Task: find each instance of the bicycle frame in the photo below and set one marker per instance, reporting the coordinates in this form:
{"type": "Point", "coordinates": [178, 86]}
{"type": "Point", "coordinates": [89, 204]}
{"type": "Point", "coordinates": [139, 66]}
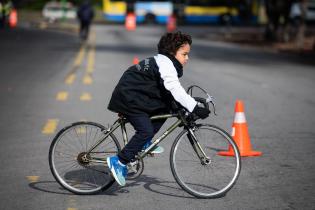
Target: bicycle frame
{"type": "Point", "coordinates": [121, 122]}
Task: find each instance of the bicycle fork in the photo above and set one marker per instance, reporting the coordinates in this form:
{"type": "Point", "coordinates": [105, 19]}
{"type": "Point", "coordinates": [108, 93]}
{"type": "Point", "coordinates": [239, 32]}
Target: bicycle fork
{"type": "Point", "coordinates": [204, 160]}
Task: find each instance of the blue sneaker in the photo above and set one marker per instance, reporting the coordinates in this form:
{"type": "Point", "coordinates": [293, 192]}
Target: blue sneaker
{"type": "Point", "coordinates": [156, 149]}
{"type": "Point", "coordinates": [119, 170]}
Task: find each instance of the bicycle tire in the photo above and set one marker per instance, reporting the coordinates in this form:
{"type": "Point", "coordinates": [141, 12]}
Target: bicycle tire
{"type": "Point", "coordinates": [219, 175]}
{"type": "Point", "coordinates": [82, 178]}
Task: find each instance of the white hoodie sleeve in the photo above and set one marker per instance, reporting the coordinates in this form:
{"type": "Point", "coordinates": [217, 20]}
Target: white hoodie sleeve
{"type": "Point", "coordinates": [171, 82]}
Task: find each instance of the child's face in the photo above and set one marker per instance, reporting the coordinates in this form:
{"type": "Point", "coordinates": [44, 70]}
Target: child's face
{"type": "Point", "coordinates": [182, 54]}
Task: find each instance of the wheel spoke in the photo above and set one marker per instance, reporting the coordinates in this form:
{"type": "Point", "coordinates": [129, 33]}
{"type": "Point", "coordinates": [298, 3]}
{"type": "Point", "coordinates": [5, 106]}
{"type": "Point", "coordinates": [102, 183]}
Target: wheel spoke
{"type": "Point", "coordinates": [205, 179]}
{"type": "Point", "coordinates": [70, 163]}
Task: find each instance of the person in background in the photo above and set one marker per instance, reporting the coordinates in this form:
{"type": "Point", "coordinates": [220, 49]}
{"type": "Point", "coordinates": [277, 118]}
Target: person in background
{"type": "Point", "coordinates": [85, 15]}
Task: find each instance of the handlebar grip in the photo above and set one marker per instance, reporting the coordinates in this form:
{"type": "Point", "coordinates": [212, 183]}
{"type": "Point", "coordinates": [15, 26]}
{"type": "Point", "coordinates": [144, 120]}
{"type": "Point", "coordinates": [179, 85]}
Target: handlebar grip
{"type": "Point", "coordinates": [202, 101]}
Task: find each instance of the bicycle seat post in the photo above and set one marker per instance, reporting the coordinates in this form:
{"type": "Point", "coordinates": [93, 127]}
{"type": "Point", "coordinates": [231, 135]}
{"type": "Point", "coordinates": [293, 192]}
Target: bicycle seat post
{"type": "Point", "coordinates": [122, 122]}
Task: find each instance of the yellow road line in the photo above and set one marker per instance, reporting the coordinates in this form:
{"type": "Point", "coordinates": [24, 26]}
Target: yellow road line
{"type": "Point", "coordinates": [91, 60]}
{"type": "Point", "coordinates": [80, 56]}
{"type": "Point", "coordinates": [32, 179]}
{"type": "Point", "coordinates": [62, 96]}
{"type": "Point", "coordinates": [72, 203]}
{"type": "Point", "coordinates": [93, 37]}
{"type": "Point", "coordinates": [50, 126]}
{"type": "Point", "coordinates": [70, 79]}
{"type": "Point", "coordinates": [87, 80]}
{"type": "Point", "coordinates": [76, 64]}
{"type": "Point", "coordinates": [85, 97]}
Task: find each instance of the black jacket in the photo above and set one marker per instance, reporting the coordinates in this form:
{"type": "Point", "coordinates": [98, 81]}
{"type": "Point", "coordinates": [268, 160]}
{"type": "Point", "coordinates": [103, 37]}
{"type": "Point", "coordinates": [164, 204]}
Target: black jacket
{"type": "Point", "coordinates": [141, 89]}
{"type": "Point", "coordinates": [85, 13]}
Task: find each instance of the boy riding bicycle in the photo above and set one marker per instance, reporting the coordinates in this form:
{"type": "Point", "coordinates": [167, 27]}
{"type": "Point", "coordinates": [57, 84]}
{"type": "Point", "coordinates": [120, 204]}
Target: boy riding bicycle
{"type": "Point", "coordinates": [147, 89]}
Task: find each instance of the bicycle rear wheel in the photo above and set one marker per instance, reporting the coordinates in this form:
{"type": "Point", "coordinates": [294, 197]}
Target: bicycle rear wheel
{"type": "Point", "coordinates": [75, 169]}
{"type": "Point", "coordinates": [208, 178]}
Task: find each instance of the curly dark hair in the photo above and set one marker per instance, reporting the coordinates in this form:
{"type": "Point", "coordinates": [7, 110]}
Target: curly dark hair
{"type": "Point", "coordinates": [171, 42]}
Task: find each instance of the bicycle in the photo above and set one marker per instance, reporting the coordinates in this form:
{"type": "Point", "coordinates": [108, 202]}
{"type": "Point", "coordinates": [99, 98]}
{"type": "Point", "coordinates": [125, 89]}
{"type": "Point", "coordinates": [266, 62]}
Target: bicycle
{"type": "Point", "coordinates": [77, 155]}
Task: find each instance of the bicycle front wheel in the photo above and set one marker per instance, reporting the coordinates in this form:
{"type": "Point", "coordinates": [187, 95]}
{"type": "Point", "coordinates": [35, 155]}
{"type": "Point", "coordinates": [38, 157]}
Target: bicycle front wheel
{"type": "Point", "coordinates": [73, 167]}
{"type": "Point", "coordinates": [205, 174]}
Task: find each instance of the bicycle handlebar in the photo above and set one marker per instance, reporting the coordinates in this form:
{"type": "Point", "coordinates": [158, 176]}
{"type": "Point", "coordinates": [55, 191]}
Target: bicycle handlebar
{"type": "Point", "coordinates": [209, 99]}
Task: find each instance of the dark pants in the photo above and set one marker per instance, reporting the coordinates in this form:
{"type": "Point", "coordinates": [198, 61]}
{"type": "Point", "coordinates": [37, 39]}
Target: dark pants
{"type": "Point", "coordinates": [84, 29]}
{"type": "Point", "coordinates": [145, 130]}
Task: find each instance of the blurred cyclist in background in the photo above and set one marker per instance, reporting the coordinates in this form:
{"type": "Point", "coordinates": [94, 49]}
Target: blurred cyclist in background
{"type": "Point", "coordinates": [85, 15]}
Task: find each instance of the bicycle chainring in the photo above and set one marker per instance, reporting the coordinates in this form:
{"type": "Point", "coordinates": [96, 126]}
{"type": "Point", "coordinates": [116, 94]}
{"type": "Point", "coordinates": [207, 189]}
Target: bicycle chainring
{"type": "Point", "coordinates": [135, 169]}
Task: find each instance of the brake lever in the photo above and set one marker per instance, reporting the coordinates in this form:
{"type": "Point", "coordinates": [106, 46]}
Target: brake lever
{"type": "Point", "coordinates": [213, 104]}
{"type": "Point", "coordinates": [210, 100]}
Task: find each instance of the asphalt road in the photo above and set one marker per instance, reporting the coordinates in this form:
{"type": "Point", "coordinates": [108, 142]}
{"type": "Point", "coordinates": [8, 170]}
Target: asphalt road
{"type": "Point", "coordinates": [48, 80]}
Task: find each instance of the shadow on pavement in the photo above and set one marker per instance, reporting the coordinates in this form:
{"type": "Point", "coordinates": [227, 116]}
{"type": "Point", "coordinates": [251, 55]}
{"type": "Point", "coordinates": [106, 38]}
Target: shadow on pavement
{"type": "Point", "coordinates": [49, 187]}
{"type": "Point", "coordinates": [153, 184]}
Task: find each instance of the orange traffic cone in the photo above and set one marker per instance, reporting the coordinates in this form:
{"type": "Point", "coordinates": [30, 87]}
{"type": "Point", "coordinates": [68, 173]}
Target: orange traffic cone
{"type": "Point", "coordinates": [13, 19]}
{"type": "Point", "coordinates": [135, 60]}
{"type": "Point", "coordinates": [130, 23]}
{"type": "Point", "coordinates": [240, 134]}
{"type": "Point", "coordinates": [171, 23]}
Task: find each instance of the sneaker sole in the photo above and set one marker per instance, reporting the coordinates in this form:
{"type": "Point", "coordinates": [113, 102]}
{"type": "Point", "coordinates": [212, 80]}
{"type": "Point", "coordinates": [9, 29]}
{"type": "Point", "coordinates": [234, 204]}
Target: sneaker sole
{"type": "Point", "coordinates": [155, 152]}
{"type": "Point", "coordinates": [113, 172]}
